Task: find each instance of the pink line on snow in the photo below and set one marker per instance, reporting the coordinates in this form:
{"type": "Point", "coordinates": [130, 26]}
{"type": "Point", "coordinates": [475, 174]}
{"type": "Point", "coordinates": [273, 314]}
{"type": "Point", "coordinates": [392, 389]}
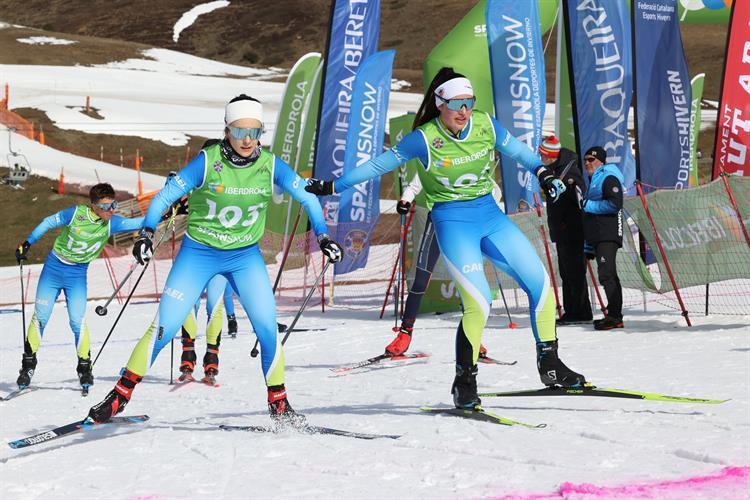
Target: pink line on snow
{"type": "Point", "coordinates": [729, 482]}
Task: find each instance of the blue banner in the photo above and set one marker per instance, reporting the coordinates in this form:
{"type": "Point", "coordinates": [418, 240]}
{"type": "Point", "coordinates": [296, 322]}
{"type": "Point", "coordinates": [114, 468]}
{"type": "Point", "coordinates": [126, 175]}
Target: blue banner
{"type": "Point", "coordinates": [600, 56]}
{"type": "Point", "coordinates": [664, 96]}
{"type": "Point", "coordinates": [359, 206]}
{"type": "Point", "coordinates": [518, 87]}
{"type": "Point", "coordinates": [355, 27]}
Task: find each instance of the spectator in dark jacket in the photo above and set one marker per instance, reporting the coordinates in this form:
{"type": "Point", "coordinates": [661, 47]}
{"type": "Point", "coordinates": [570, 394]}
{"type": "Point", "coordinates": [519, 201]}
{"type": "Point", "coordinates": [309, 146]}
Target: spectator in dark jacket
{"type": "Point", "coordinates": [602, 227]}
{"type": "Point", "coordinates": [566, 231]}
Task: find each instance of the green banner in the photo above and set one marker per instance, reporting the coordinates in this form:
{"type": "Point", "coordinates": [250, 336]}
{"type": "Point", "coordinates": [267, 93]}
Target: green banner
{"type": "Point", "coordinates": [695, 125]}
{"type": "Point", "coordinates": [465, 49]}
{"type": "Point", "coordinates": [699, 232]}
{"type": "Point", "coordinates": [564, 129]}
{"type": "Point", "coordinates": [286, 138]}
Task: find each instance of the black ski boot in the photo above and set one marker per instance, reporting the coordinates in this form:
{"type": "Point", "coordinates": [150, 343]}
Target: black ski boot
{"type": "Point", "coordinates": [28, 365]}
{"type": "Point", "coordinates": [552, 371]}
{"type": "Point", "coordinates": [187, 362]}
{"type": "Point", "coordinates": [282, 413]}
{"type": "Point", "coordinates": [232, 325]}
{"type": "Point", "coordinates": [211, 363]}
{"type": "Point", "coordinates": [464, 388]}
{"type": "Point", "coordinates": [85, 373]}
{"type": "Point", "coordinates": [117, 398]}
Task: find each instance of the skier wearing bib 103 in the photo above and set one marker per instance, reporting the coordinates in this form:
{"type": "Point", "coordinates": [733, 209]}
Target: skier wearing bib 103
{"type": "Point", "coordinates": [229, 186]}
{"type": "Point", "coordinates": [85, 232]}
{"type": "Point", "coordinates": [455, 147]}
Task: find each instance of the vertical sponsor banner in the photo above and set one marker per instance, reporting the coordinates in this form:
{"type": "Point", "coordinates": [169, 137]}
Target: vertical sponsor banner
{"type": "Point", "coordinates": [662, 89]}
{"type": "Point", "coordinates": [359, 207]}
{"type": "Point", "coordinates": [733, 118]}
{"type": "Point", "coordinates": [355, 27]}
{"type": "Point", "coordinates": [564, 129]}
{"type": "Point", "coordinates": [518, 86]}
{"type": "Point", "coordinates": [288, 131]}
{"type": "Point", "coordinates": [696, 88]}
{"type": "Point", "coordinates": [599, 48]}
{"type": "Point", "coordinates": [306, 148]}
{"type": "Point", "coordinates": [464, 49]}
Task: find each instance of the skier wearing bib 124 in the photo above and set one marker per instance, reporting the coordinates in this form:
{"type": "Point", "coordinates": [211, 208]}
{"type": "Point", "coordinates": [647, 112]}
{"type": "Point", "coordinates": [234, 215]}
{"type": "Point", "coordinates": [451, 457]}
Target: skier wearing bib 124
{"type": "Point", "coordinates": [85, 232]}
{"type": "Point", "coordinates": [229, 186]}
{"type": "Point", "coordinates": [455, 147]}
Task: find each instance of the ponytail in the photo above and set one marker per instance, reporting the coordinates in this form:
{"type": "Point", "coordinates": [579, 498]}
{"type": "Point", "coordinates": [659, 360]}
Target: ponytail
{"type": "Point", "coordinates": [428, 109]}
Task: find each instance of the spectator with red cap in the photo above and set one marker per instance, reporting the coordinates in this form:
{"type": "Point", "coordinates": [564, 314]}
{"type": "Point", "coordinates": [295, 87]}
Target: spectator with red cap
{"type": "Point", "coordinates": [564, 219]}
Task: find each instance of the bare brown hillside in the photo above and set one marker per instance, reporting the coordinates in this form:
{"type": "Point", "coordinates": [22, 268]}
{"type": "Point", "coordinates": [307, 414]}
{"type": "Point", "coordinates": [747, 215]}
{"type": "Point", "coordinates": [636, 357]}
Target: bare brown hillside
{"type": "Point", "coordinates": [255, 32]}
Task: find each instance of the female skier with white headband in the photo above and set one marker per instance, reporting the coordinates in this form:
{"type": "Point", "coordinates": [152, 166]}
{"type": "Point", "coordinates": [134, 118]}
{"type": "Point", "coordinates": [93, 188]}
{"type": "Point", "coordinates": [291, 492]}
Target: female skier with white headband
{"type": "Point", "coordinates": [456, 148]}
{"type": "Point", "coordinates": [229, 185]}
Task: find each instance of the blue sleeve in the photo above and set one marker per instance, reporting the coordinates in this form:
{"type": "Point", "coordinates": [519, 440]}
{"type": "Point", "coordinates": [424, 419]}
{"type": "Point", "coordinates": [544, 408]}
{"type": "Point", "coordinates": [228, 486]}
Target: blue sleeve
{"type": "Point", "coordinates": [410, 147]}
{"type": "Point", "coordinates": [61, 218]}
{"type": "Point", "coordinates": [120, 224]}
{"type": "Point", "coordinates": [510, 146]}
{"type": "Point", "coordinates": [178, 186]}
{"type": "Point", "coordinates": [289, 181]}
{"type": "Point", "coordinates": [612, 198]}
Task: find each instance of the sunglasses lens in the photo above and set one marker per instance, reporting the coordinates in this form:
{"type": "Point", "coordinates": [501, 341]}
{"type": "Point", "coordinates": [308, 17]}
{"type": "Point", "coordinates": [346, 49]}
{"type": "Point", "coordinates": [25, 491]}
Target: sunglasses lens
{"type": "Point", "coordinates": [457, 104]}
{"type": "Point", "coordinates": [241, 133]}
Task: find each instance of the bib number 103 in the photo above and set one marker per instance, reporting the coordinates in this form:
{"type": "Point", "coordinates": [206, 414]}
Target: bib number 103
{"type": "Point", "coordinates": [230, 215]}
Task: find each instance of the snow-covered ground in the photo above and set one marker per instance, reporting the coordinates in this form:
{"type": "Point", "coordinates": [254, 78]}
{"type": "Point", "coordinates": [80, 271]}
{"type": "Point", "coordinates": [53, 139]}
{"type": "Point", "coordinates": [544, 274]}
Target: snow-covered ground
{"type": "Point", "coordinates": [591, 447]}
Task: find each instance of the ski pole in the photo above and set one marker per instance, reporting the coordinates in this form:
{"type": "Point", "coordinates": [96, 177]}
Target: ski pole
{"type": "Point", "coordinates": [135, 286]}
{"type": "Point", "coordinates": [121, 311]}
{"type": "Point", "coordinates": [400, 266]}
{"type": "Point", "coordinates": [290, 328]}
{"type": "Point", "coordinates": [102, 310]}
{"type": "Point", "coordinates": [23, 305]}
{"type": "Point", "coordinates": [171, 361]}
{"type": "Point", "coordinates": [254, 351]}
{"type": "Point", "coordinates": [511, 324]}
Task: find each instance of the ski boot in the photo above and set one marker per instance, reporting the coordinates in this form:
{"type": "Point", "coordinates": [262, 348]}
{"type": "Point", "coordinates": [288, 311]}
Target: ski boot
{"type": "Point", "coordinates": [464, 388]}
{"type": "Point", "coordinates": [232, 325]}
{"type": "Point", "coordinates": [401, 343]}
{"type": "Point", "coordinates": [608, 323]}
{"type": "Point", "coordinates": [85, 373]}
{"type": "Point", "coordinates": [117, 398]}
{"type": "Point", "coordinates": [552, 371]}
{"type": "Point", "coordinates": [282, 413]}
{"type": "Point", "coordinates": [211, 364]}
{"type": "Point", "coordinates": [187, 361]}
{"type": "Point", "coordinates": [28, 365]}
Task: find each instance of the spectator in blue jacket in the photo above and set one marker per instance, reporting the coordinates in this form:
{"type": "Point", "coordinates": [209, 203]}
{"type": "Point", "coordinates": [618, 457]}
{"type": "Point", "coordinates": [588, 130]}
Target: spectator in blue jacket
{"type": "Point", "coordinates": [602, 229]}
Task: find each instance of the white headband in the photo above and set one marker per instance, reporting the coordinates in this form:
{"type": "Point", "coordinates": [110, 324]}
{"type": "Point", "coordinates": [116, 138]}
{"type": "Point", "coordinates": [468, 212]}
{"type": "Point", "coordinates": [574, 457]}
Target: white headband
{"type": "Point", "coordinates": [452, 88]}
{"type": "Point", "coordinates": [245, 108]}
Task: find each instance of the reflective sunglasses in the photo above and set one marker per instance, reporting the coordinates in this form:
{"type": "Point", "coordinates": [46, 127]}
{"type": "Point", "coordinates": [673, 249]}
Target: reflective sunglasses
{"type": "Point", "coordinates": [589, 159]}
{"type": "Point", "coordinates": [457, 104]}
{"type": "Point", "coordinates": [107, 207]}
{"type": "Point", "coordinates": [240, 133]}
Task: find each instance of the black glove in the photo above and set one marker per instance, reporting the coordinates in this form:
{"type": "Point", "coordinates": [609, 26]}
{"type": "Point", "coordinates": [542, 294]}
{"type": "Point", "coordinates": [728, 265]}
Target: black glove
{"type": "Point", "coordinates": [330, 248]}
{"type": "Point", "coordinates": [22, 250]}
{"type": "Point", "coordinates": [588, 251]}
{"type": "Point", "coordinates": [143, 247]}
{"type": "Point", "coordinates": [403, 207]}
{"type": "Point", "coordinates": [179, 207]}
{"type": "Point", "coordinates": [318, 187]}
{"type": "Point", "coordinates": [551, 185]}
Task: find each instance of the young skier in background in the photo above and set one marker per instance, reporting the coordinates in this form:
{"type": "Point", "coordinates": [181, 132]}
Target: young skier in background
{"type": "Point", "coordinates": [86, 229]}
